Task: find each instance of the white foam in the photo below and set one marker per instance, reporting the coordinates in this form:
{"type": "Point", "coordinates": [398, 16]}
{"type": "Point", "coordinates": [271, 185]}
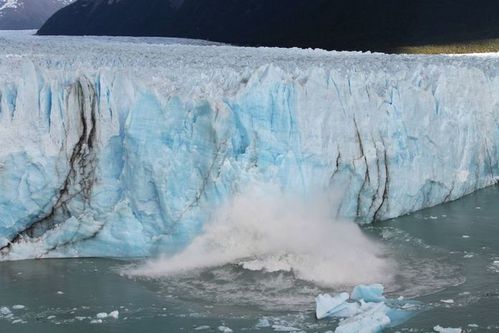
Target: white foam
{"type": "Point", "coordinates": [265, 230]}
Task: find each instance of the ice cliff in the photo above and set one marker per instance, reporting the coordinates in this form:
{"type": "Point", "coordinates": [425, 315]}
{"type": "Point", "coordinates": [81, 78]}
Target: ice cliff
{"type": "Point", "coordinates": [123, 147]}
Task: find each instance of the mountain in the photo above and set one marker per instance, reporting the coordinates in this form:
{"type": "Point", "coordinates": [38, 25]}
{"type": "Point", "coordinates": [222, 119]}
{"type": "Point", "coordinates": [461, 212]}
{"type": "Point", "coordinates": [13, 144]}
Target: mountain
{"type": "Point", "coordinates": [329, 24]}
{"type": "Point", "coordinates": [27, 14]}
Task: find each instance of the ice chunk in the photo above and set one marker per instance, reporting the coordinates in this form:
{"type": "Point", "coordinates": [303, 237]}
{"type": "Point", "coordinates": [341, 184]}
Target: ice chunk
{"type": "Point", "coordinates": [263, 323]}
{"type": "Point", "coordinates": [327, 305]}
{"type": "Point", "coordinates": [18, 307]}
{"type": "Point", "coordinates": [5, 310]}
{"type": "Point", "coordinates": [372, 320]}
{"type": "Point", "coordinates": [447, 301]}
{"type": "Point", "coordinates": [441, 329]}
{"type": "Point", "coordinates": [225, 329]}
{"type": "Point", "coordinates": [361, 316]}
{"type": "Point", "coordinates": [114, 314]}
{"type": "Point", "coordinates": [101, 315]}
{"type": "Point", "coordinates": [399, 315]}
{"type": "Point", "coordinates": [369, 293]}
{"type": "Point", "coordinates": [282, 328]}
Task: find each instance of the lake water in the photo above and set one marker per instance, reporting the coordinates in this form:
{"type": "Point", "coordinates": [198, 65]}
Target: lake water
{"type": "Point", "coordinates": [447, 258]}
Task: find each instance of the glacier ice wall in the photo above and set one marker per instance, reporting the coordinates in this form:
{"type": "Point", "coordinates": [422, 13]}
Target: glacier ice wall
{"type": "Point", "coordinates": [113, 147]}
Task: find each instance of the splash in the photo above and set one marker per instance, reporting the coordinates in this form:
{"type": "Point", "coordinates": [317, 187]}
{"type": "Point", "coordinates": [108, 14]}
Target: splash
{"type": "Point", "coordinates": [266, 231]}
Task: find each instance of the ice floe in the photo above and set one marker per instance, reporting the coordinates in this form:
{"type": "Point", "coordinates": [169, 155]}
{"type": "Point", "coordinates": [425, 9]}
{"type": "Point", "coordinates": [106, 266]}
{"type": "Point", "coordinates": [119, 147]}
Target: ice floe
{"type": "Point", "coordinates": [366, 310]}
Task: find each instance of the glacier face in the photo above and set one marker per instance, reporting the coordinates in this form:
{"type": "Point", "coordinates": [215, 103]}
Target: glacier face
{"type": "Point", "coordinates": [124, 147]}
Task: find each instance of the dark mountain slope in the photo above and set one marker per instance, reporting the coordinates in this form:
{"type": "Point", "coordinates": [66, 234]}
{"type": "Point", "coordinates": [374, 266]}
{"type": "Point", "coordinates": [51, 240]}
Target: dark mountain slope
{"type": "Point", "coordinates": [330, 24]}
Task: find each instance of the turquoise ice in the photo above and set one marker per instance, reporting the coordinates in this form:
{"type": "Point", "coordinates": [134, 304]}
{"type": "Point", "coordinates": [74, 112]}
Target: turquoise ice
{"type": "Point", "coordinates": [365, 310]}
{"type": "Point", "coordinates": [125, 148]}
{"type": "Point", "coordinates": [368, 293]}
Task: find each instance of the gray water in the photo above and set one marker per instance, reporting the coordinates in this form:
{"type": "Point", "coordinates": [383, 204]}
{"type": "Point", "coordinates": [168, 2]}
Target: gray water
{"type": "Point", "coordinates": [448, 253]}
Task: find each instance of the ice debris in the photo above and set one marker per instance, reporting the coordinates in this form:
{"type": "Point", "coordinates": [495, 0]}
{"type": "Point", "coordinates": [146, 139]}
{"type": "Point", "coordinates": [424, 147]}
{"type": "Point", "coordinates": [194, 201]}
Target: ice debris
{"type": "Point", "coordinates": [5, 311]}
{"type": "Point", "coordinates": [368, 293]}
{"type": "Point", "coordinates": [366, 310]}
{"type": "Point", "coordinates": [202, 328]}
{"type": "Point", "coordinates": [441, 329]}
{"type": "Point", "coordinates": [372, 318]}
{"type": "Point", "coordinates": [263, 323]}
{"type": "Point", "coordinates": [101, 315]}
{"type": "Point", "coordinates": [447, 301]}
{"type": "Point", "coordinates": [282, 328]}
{"type": "Point", "coordinates": [330, 306]}
{"type": "Point", "coordinates": [114, 314]}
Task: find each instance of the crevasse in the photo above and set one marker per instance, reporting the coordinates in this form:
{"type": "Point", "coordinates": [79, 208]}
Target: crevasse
{"type": "Point", "coordinates": [111, 147]}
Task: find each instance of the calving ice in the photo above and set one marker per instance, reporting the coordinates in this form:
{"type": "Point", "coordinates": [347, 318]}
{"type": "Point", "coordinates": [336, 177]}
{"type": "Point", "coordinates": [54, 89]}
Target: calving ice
{"type": "Point", "coordinates": [113, 147]}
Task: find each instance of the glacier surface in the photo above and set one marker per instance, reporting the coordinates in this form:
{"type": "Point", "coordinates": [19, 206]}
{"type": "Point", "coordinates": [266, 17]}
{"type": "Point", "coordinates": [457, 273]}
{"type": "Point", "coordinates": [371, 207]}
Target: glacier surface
{"type": "Point", "coordinates": [125, 147]}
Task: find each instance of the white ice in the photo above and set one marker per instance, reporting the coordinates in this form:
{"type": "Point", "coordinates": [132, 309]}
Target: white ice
{"type": "Point", "coordinates": [370, 315]}
{"type": "Point", "coordinates": [368, 293]}
{"type": "Point", "coordinates": [125, 147]}
{"type": "Point", "coordinates": [441, 329]}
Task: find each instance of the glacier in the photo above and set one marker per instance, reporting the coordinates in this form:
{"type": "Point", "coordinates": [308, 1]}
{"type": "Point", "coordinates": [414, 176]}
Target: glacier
{"type": "Point", "coordinates": [123, 147]}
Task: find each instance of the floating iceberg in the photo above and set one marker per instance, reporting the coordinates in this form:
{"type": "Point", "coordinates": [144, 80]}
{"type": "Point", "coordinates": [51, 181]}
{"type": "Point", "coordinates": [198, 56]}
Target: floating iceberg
{"type": "Point", "coordinates": [368, 293]}
{"type": "Point", "coordinates": [371, 320]}
{"type": "Point", "coordinates": [331, 306]}
{"type": "Point", "coordinates": [364, 315]}
{"type": "Point", "coordinates": [114, 147]}
{"type": "Point", "coordinates": [441, 329]}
